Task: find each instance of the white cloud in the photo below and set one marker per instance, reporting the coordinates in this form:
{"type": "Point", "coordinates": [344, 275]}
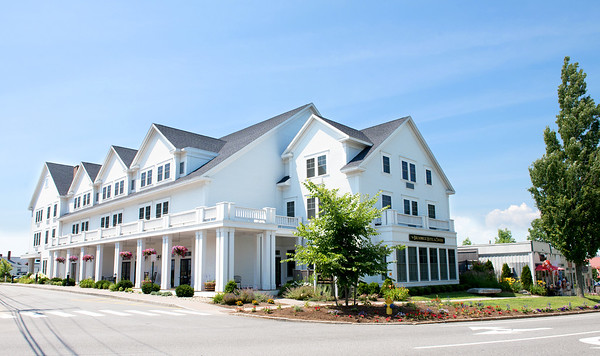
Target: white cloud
{"type": "Point", "coordinates": [516, 218]}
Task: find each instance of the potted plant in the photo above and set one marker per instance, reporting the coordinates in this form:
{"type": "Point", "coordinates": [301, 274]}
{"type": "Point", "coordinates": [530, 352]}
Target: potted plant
{"type": "Point", "coordinates": [126, 255]}
{"type": "Point", "coordinates": [87, 258]}
{"type": "Point", "coordinates": [148, 252]}
{"type": "Point", "coordinates": [209, 286]}
{"type": "Point", "coordinates": [60, 259]}
{"type": "Point", "coordinates": [179, 251]}
{"type": "Point", "coordinates": [73, 258]}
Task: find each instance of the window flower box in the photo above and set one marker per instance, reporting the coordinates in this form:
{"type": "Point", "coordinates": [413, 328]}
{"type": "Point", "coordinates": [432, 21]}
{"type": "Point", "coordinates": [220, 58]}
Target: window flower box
{"type": "Point", "coordinates": [60, 259]}
{"type": "Point", "coordinates": [87, 258]}
{"type": "Point", "coordinates": [179, 250]}
{"type": "Point", "coordinates": [126, 255]}
{"type": "Point", "coordinates": [73, 258]}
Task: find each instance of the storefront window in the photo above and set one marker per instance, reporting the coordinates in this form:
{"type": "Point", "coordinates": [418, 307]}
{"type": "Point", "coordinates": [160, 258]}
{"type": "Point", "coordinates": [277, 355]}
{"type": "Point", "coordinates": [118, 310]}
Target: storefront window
{"type": "Point", "coordinates": [401, 258]}
{"type": "Point", "coordinates": [413, 272]}
{"type": "Point", "coordinates": [433, 262]}
{"type": "Point", "coordinates": [423, 263]}
{"type": "Point", "coordinates": [452, 263]}
{"type": "Point", "coordinates": [443, 264]}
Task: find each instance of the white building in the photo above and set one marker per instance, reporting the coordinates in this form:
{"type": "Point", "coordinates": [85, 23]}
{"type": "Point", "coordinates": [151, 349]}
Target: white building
{"type": "Point", "coordinates": [235, 202]}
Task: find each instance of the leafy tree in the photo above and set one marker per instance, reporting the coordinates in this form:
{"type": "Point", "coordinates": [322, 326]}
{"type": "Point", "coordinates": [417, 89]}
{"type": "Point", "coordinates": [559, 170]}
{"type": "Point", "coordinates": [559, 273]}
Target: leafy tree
{"type": "Point", "coordinates": [504, 237]}
{"type": "Point", "coordinates": [338, 240]}
{"type": "Point", "coordinates": [467, 242]}
{"type": "Point", "coordinates": [5, 269]}
{"type": "Point", "coordinates": [566, 180]}
{"type": "Point", "coordinates": [536, 231]}
{"type": "Point", "coordinates": [506, 273]}
{"type": "Point", "coordinates": [526, 279]}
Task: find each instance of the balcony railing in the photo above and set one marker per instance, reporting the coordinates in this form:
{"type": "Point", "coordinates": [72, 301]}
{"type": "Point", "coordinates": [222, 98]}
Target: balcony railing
{"type": "Point", "coordinates": [392, 217]}
{"type": "Point", "coordinates": [288, 222]}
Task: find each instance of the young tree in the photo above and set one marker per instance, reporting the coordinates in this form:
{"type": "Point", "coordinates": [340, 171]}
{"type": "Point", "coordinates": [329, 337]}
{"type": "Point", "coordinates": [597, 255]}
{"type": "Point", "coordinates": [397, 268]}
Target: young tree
{"type": "Point", "coordinates": [526, 279]}
{"type": "Point", "coordinates": [467, 242]}
{"type": "Point", "coordinates": [506, 273]}
{"type": "Point", "coordinates": [5, 269]}
{"type": "Point", "coordinates": [504, 237]}
{"type": "Point", "coordinates": [566, 180]}
{"type": "Point", "coordinates": [338, 240]}
{"type": "Point", "coordinates": [536, 231]}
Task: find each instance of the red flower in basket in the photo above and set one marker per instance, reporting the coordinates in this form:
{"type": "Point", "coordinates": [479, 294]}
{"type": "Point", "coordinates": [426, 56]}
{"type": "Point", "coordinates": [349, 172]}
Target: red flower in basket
{"type": "Point", "coordinates": [126, 255]}
{"type": "Point", "coordinates": [87, 258]}
{"type": "Point", "coordinates": [179, 250]}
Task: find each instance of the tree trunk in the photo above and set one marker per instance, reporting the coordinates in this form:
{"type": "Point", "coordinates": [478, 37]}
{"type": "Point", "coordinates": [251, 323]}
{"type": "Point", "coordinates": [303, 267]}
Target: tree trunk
{"type": "Point", "coordinates": [579, 278]}
{"type": "Point", "coordinates": [354, 286]}
{"type": "Point", "coordinates": [346, 294]}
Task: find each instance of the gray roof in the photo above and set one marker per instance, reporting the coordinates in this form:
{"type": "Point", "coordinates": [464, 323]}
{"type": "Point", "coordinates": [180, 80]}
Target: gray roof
{"type": "Point", "coordinates": [126, 154]}
{"type": "Point", "coordinates": [359, 135]}
{"type": "Point", "coordinates": [376, 134]}
{"type": "Point", "coordinates": [62, 175]}
{"type": "Point", "coordinates": [92, 169]}
{"type": "Point", "coordinates": [182, 139]}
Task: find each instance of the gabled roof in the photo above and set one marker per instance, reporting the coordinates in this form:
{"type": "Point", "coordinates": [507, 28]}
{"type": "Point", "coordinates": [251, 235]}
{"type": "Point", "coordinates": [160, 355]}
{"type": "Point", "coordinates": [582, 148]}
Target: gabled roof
{"type": "Point", "coordinates": [182, 139]}
{"type": "Point", "coordinates": [62, 175]}
{"type": "Point", "coordinates": [236, 141]}
{"type": "Point", "coordinates": [92, 169]}
{"type": "Point", "coordinates": [376, 135]}
{"type": "Point", "coordinates": [358, 135]}
{"type": "Point", "coordinates": [125, 154]}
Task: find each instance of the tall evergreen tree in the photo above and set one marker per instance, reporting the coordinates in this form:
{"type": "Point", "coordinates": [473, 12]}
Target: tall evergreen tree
{"type": "Point", "coordinates": [566, 180]}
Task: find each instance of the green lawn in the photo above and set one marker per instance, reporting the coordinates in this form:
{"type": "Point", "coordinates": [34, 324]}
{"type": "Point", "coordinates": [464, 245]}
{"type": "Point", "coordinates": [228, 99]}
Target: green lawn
{"type": "Point", "coordinates": [516, 301]}
{"type": "Point", "coordinates": [458, 295]}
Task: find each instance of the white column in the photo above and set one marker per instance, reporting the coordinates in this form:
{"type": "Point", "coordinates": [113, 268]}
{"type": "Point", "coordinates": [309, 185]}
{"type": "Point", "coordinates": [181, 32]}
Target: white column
{"type": "Point", "coordinates": [231, 254]}
{"type": "Point", "coordinates": [198, 260]}
{"type": "Point", "coordinates": [117, 262]}
{"type": "Point", "coordinates": [177, 273]}
{"type": "Point", "coordinates": [258, 262]}
{"type": "Point", "coordinates": [139, 265]}
{"type": "Point", "coordinates": [268, 260]}
{"type": "Point", "coordinates": [273, 266]}
{"type": "Point", "coordinates": [51, 265]}
{"type": "Point", "coordinates": [165, 271]}
{"type": "Point", "coordinates": [98, 261]}
{"type": "Point", "coordinates": [68, 263]}
{"type": "Point", "coordinates": [81, 265]}
{"type": "Point", "coordinates": [221, 263]}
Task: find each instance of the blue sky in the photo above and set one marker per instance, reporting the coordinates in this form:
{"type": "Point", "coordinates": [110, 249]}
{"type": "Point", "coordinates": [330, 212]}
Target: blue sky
{"type": "Point", "coordinates": [478, 78]}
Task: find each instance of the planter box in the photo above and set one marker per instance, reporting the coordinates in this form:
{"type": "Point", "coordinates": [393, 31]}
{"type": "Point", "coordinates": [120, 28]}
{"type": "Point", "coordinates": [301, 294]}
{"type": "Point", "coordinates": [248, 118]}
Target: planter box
{"type": "Point", "coordinates": [209, 287]}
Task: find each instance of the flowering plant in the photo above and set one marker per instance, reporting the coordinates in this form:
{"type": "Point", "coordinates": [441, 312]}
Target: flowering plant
{"type": "Point", "coordinates": [126, 255]}
{"type": "Point", "coordinates": [73, 258]}
{"type": "Point", "coordinates": [179, 250]}
{"type": "Point", "coordinates": [87, 258]}
{"type": "Point", "coordinates": [60, 259]}
{"type": "Point", "coordinates": [149, 252]}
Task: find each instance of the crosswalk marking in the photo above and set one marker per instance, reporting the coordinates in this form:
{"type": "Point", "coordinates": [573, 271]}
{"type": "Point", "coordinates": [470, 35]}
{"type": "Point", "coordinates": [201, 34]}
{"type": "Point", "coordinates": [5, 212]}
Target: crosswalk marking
{"type": "Point", "coordinates": [140, 312]}
{"type": "Point", "coordinates": [193, 312]}
{"type": "Point", "coordinates": [7, 316]}
{"type": "Point", "coordinates": [59, 313]}
{"type": "Point", "coordinates": [85, 312]}
{"type": "Point", "coordinates": [166, 312]}
{"type": "Point", "coordinates": [114, 312]}
{"type": "Point", "coordinates": [34, 314]}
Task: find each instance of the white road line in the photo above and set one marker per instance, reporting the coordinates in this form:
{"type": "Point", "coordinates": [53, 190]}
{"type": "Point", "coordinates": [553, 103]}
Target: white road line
{"type": "Point", "coordinates": [140, 312]}
{"type": "Point", "coordinates": [191, 312]}
{"type": "Point", "coordinates": [7, 316]}
{"type": "Point", "coordinates": [166, 312]}
{"type": "Point", "coordinates": [85, 312]}
{"type": "Point", "coordinates": [34, 315]}
{"type": "Point", "coordinates": [504, 341]}
{"type": "Point", "coordinates": [114, 312]}
{"type": "Point", "coordinates": [59, 313]}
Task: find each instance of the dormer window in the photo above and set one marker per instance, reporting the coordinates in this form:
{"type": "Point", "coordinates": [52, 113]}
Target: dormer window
{"type": "Point", "coordinates": [119, 187]}
{"type": "Point", "coordinates": [146, 178]}
{"type": "Point", "coordinates": [143, 180]}
{"type": "Point", "coordinates": [163, 172]}
{"type": "Point", "coordinates": [159, 174]}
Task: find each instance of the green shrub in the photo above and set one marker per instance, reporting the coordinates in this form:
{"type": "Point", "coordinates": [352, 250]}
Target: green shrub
{"type": "Point", "coordinates": [87, 283]}
{"type": "Point", "coordinates": [426, 290]}
{"type": "Point", "coordinates": [231, 287]}
{"type": "Point", "coordinates": [286, 286]}
{"type": "Point", "coordinates": [374, 288]}
{"type": "Point", "coordinates": [124, 284]}
{"type": "Point", "coordinates": [230, 298]}
{"type": "Point", "coordinates": [184, 290]}
{"type": "Point", "coordinates": [526, 279]}
{"type": "Point", "coordinates": [68, 282]}
{"type": "Point", "coordinates": [479, 279]}
{"type": "Point", "coordinates": [102, 284]}
{"type": "Point", "coordinates": [26, 280]}
{"type": "Point", "coordinates": [42, 280]}
{"type": "Point", "coordinates": [218, 298]}
{"type": "Point", "coordinates": [113, 287]}
{"type": "Point", "coordinates": [506, 273]}
{"type": "Point", "coordinates": [538, 290]}
{"type": "Point", "coordinates": [363, 288]}
{"type": "Point", "coordinates": [397, 294]}
{"type": "Point", "coordinates": [387, 284]}
{"type": "Point", "coordinates": [56, 279]}
{"type": "Point", "coordinates": [149, 287]}
{"type": "Point", "coordinates": [246, 295]}
{"type": "Point", "coordinates": [300, 293]}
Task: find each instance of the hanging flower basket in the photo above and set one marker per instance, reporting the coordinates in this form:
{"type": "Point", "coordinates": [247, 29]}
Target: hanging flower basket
{"type": "Point", "coordinates": [179, 250]}
{"type": "Point", "coordinates": [73, 258]}
{"type": "Point", "coordinates": [87, 258]}
{"type": "Point", "coordinates": [149, 252]}
{"type": "Point", "coordinates": [60, 259]}
{"type": "Point", "coordinates": [126, 255]}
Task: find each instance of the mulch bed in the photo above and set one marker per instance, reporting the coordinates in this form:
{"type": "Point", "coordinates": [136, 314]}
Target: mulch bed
{"type": "Point", "coordinates": [409, 313]}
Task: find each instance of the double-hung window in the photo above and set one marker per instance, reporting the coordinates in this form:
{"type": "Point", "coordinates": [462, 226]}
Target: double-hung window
{"type": "Point", "coordinates": [386, 164]}
{"type": "Point", "coordinates": [149, 178]}
{"type": "Point", "coordinates": [105, 222]}
{"type": "Point", "coordinates": [428, 176]}
{"type": "Point", "coordinates": [311, 208]}
{"type": "Point", "coordinates": [409, 171]}
{"type": "Point", "coordinates": [411, 207]}
{"type": "Point", "coordinates": [159, 174]}
{"type": "Point", "coordinates": [143, 180]}
{"type": "Point", "coordinates": [316, 170]}
{"type": "Point", "coordinates": [181, 168]}
{"type": "Point", "coordinates": [290, 209]}
{"type": "Point", "coordinates": [48, 214]}
{"type": "Point", "coordinates": [431, 211]}
{"type": "Point", "coordinates": [117, 219]}
{"type": "Point", "coordinates": [55, 210]}
{"type": "Point", "coordinates": [144, 212]}
{"type": "Point", "coordinates": [162, 209]}
{"type": "Point", "coordinates": [103, 193]}
{"type": "Point", "coordinates": [322, 165]}
{"type": "Point", "coordinates": [167, 170]}
{"type": "Point", "coordinates": [310, 167]}
{"type": "Point", "coordinates": [386, 201]}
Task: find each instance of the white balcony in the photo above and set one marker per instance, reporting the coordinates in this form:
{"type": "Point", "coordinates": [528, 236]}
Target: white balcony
{"type": "Point", "coordinates": [392, 217]}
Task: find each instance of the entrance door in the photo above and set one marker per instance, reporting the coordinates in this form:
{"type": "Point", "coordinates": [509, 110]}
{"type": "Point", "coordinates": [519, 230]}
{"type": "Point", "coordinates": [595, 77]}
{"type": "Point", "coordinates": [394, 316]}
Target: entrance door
{"type": "Point", "coordinates": [126, 270]}
{"type": "Point", "coordinates": [185, 271]}
{"type": "Point", "coordinates": [73, 270]}
{"type": "Point", "coordinates": [278, 271]}
{"type": "Point", "coordinates": [172, 273]}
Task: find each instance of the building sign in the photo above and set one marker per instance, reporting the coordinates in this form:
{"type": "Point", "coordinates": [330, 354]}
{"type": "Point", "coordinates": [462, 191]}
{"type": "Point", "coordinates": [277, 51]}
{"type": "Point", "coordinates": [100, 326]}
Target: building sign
{"type": "Point", "coordinates": [421, 238]}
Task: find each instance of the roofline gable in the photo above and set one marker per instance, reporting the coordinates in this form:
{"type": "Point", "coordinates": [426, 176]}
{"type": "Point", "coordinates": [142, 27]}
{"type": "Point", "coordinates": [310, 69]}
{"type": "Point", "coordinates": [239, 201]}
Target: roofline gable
{"type": "Point", "coordinates": [317, 118]}
{"type": "Point", "coordinates": [145, 143]}
{"type": "Point", "coordinates": [76, 177]}
{"type": "Point", "coordinates": [111, 151]}
{"type": "Point", "coordinates": [38, 187]}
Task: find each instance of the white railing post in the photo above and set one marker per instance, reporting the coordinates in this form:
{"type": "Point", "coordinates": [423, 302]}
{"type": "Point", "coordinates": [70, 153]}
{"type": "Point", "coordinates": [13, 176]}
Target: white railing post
{"type": "Point", "coordinates": [119, 229]}
{"type": "Point", "coordinates": [140, 226]}
{"type": "Point", "coordinates": [221, 213]}
{"type": "Point", "coordinates": [270, 215]}
{"type": "Point", "coordinates": [425, 222]}
{"type": "Point", "coordinates": [167, 221]}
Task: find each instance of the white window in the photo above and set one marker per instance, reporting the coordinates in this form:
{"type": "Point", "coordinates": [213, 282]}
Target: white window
{"type": "Point", "coordinates": [386, 201]}
{"type": "Point", "coordinates": [144, 212]}
{"type": "Point", "coordinates": [181, 167]}
{"type": "Point", "coordinates": [162, 208]}
{"type": "Point", "coordinates": [411, 207]}
{"type": "Point", "coordinates": [316, 166]}
{"type": "Point", "coordinates": [386, 164]}
{"type": "Point", "coordinates": [409, 171]}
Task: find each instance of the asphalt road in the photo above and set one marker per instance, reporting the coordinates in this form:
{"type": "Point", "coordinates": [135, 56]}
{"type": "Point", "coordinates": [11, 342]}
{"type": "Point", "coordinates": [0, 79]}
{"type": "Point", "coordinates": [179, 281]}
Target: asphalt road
{"type": "Point", "coordinates": [47, 322]}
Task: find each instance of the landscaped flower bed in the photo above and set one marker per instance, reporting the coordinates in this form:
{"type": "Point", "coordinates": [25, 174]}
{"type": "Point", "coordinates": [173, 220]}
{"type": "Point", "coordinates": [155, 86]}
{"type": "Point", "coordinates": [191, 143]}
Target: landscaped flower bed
{"type": "Point", "coordinates": [434, 311]}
